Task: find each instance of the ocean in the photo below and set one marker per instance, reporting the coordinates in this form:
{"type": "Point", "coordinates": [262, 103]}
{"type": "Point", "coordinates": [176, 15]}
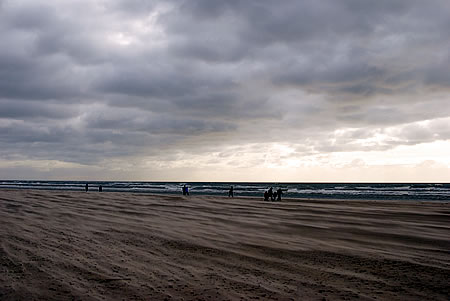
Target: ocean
{"type": "Point", "coordinates": [384, 191]}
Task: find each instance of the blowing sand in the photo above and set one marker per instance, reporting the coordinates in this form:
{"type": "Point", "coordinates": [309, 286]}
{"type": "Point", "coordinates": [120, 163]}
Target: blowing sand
{"type": "Point", "coordinates": [93, 246]}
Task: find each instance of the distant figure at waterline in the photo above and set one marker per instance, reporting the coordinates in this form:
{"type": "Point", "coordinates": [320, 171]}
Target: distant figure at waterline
{"type": "Point", "coordinates": [86, 188]}
{"type": "Point", "coordinates": [230, 192]}
{"type": "Point", "coordinates": [185, 190]}
{"type": "Point", "coordinates": [266, 196]}
{"type": "Point", "coordinates": [270, 193]}
{"type": "Point", "coordinates": [279, 193]}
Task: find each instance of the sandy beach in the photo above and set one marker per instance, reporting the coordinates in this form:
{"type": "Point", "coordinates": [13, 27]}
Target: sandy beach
{"type": "Point", "coordinates": [62, 245]}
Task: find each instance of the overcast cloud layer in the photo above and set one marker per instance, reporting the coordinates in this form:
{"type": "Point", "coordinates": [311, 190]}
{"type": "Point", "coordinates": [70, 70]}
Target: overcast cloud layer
{"type": "Point", "coordinates": [225, 90]}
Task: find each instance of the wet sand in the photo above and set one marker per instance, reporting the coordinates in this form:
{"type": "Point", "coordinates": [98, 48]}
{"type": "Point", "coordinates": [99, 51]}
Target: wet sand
{"type": "Point", "coordinates": [62, 245]}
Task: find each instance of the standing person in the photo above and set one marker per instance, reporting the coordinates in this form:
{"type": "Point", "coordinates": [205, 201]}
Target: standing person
{"type": "Point", "coordinates": [230, 192]}
{"type": "Point", "coordinates": [266, 196]}
{"type": "Point", "coordinates": [86, 187]}
{"type": "Point", "coordinates": [270, 193]}
{"type": "Point", "coordinates": [279, 193]}
{"type": "Point", "coordinates": [185, 190]}
{"type": "Point", "coordinates": [100, 188]}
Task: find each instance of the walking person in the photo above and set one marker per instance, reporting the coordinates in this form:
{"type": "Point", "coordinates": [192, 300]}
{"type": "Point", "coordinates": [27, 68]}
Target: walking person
{"type": "Point", "coordinates": [230, 192]}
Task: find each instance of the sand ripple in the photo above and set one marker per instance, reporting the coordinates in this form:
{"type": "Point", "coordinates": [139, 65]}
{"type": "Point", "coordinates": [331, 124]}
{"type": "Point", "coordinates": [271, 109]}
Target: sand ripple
{"type": "Point", "coordinates": [114, 246]}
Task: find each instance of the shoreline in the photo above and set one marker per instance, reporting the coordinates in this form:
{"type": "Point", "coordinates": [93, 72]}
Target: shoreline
{"type": "Point", "coordinates": [284, 199]}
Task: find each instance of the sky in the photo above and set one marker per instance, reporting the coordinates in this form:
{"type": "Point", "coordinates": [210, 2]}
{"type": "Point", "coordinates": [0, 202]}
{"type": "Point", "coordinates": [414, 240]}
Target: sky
{"type": "Point", "coordinates": [231, 90]}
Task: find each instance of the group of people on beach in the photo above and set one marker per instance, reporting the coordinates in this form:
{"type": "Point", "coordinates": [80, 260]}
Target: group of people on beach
{"type": "Point", "coordinates": [270, 195]}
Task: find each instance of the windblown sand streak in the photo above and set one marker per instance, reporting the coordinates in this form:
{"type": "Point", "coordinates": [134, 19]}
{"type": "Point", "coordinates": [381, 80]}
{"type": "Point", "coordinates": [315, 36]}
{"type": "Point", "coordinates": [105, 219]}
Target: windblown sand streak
{"type": "Point", "coordinates": [93, 246]}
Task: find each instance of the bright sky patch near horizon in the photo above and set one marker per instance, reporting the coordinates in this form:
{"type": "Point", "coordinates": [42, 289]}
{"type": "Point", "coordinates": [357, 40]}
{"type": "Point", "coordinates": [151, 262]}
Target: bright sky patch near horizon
{"type": "Point", "coordinates": [199, 90]}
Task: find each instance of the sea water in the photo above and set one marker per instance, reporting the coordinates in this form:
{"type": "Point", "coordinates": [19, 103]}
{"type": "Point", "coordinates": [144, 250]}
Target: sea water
{"type": "Point", "coordinates": [388, 191]}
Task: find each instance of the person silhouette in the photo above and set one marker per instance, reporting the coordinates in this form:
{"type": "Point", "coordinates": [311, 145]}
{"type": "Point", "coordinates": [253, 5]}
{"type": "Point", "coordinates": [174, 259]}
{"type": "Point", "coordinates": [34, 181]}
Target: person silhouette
{"type": "Point", "coordinates": [279, 193]}
{"type": "Point", "coordinates": [86, 187]}
{"type": "Point", "coordinates": [270, 193]}
{"type": "Point", "coordinates": [266, 196]}
{"type": "Point", "coordinates": [100, 188]}
{"type": "Point", "coordinates": [185, 190]}
{"type": "Point", "coordinates": [230, 192]}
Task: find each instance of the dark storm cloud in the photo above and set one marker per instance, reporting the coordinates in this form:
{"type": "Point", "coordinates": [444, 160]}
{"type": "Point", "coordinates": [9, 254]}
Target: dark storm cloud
{"type": "Point", "coordinates": [32, 63]}
{"type": "Point", "coordinates": [23, 110]}
{"type": "Point", "coordinates": [20, 132]}
{"type": "Point", "coordinates": [167, 80]}
{"type": "Point", "coordinates": [256, 24]}
{"type": "Point", "coordinates": [336, 46]}
{"type": "Point", "coordinates": [102, 79]}
{"type": "Point", "coordinates": [154, 124]}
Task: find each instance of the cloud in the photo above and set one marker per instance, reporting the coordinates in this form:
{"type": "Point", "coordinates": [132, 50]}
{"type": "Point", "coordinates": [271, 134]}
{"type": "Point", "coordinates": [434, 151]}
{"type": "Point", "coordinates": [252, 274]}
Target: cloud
{"type": "Point", "coordinates": [24, 110]}
{"type": "Point", "coordinates": [91, 81]}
